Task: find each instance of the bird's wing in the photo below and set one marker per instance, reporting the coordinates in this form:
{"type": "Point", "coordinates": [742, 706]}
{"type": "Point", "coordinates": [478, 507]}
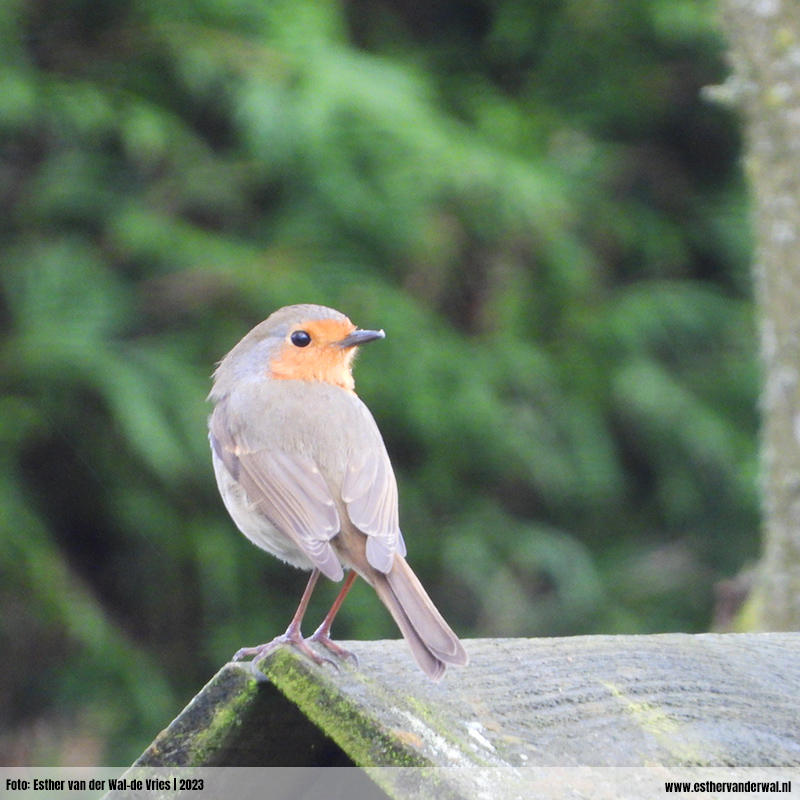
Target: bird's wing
{"type": "Point", "coordinates": [369, 489]}
{"type": "Point", "coordinates": [287, 488]}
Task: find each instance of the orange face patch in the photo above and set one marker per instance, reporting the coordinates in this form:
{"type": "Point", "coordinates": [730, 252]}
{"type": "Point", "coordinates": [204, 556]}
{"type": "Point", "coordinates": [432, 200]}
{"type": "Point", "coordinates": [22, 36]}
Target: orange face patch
{"type": "Point", "coordinates": [322, 359]}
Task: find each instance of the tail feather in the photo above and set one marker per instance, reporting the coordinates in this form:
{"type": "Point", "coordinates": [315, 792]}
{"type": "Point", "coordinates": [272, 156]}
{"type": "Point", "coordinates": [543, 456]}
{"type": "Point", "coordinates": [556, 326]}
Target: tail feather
{"type": "Point", "coordinates": [433, 644]}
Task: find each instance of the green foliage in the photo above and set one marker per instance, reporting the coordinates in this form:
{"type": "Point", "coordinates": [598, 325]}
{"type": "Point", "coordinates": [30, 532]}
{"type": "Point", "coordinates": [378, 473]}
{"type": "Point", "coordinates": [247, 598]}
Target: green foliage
{"type": "Point", "coordinates": [531, 199]}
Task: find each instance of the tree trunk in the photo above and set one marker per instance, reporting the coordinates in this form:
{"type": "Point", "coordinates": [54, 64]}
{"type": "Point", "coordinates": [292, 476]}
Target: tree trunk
{"type": "Point", "coordinates": [764, 39]}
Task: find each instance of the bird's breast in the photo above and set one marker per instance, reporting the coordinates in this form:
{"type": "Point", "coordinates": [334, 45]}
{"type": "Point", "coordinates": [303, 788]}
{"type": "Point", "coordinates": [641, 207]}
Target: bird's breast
{"type": "Point", "coordinates": [316, 420]}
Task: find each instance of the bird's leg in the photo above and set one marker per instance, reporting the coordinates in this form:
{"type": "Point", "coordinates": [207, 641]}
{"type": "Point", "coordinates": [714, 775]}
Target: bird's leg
{"type": "Point", "coordinates": [292, 637]}
{"type": "Point", "coordinates": [322, 635]}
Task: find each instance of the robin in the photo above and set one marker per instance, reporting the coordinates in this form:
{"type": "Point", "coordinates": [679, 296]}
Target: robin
{"type": "Point", "coordinates": [304, 473]}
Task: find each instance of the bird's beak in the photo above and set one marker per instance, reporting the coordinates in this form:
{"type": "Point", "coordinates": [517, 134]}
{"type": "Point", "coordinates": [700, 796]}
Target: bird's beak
{"type": "Point", "coordinates": [357, 337]}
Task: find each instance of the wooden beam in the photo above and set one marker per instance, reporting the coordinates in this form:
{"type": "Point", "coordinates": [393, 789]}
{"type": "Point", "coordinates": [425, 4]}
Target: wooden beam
{"type": "Point", "coordinates": [672, 700]}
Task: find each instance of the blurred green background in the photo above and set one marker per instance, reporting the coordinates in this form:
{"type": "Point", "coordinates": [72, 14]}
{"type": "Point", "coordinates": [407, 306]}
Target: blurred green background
{"type": "Point", "coordinates": [534, 201]}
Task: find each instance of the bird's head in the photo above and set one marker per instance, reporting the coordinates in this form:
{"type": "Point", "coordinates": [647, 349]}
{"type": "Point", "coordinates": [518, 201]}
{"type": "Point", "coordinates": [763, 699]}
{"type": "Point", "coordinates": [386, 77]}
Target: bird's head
{"type": "Point", "coordinates": [302, 342]}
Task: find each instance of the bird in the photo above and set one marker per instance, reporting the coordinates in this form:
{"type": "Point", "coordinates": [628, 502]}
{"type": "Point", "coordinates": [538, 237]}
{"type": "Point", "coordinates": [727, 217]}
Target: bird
{"type": "Point", "coordinates": [304, 473]}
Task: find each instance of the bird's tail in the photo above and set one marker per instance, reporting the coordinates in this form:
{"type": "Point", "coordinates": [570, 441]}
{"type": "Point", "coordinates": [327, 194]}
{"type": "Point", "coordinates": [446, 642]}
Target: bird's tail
{"type": "Point", "coordinates": [432, 642]}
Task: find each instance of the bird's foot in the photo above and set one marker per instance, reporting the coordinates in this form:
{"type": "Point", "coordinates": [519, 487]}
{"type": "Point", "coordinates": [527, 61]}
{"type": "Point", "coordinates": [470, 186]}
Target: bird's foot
{"type": "Point", "coordinates": [293, 639]}
{"type": "Point", "coordinates": [322, 638]}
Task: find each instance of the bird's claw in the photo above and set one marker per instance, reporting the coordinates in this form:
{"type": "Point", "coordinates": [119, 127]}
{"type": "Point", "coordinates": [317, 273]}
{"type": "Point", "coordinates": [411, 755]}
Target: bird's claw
{"type": "Point", "coordinates": [340, 652]}
{"type": "Point", "coordinates": [295, 641]}
{"type": "Point", "coordinates": [255, 652]}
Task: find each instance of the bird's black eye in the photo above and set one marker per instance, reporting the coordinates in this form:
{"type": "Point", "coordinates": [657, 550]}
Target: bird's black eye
{"type": "Point", "coordinates": [300, 339]}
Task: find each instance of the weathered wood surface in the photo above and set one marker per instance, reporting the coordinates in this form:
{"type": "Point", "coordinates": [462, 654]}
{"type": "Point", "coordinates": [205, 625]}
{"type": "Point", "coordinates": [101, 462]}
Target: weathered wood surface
{"type": "Point", "coordinates": [674, 700]}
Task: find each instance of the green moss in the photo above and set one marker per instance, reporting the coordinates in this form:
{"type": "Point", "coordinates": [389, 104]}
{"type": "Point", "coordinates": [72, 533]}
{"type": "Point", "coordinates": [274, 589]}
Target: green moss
{"type": "Point", "coordinates": [321, 700]}
{"type": "Point", "coordinates": [683, 744]}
